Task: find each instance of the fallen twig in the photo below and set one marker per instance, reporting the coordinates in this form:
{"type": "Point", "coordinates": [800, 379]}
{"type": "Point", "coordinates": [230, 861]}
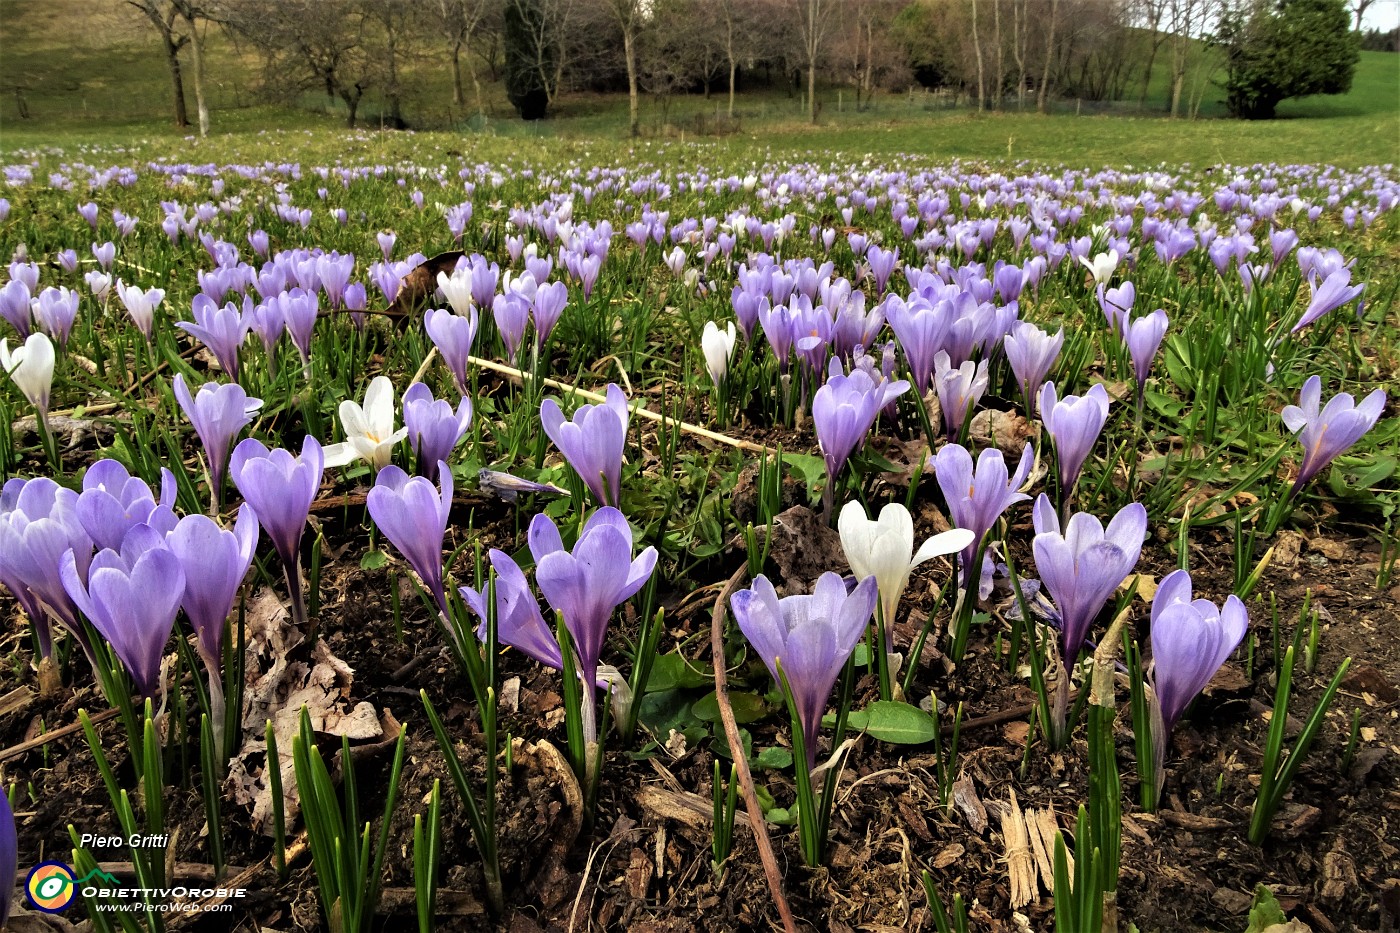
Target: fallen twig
{"type": "Point", "coordinates": [731, 731]}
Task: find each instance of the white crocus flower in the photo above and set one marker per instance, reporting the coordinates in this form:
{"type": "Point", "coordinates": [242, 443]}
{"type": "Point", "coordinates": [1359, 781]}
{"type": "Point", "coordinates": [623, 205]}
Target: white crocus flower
{"type": "Point", "coordinates": [31, 367]}
{"type": "Point", "coordinates": [369, 430]}
{"type": "Point", "coordinates": [1102, 266]}
{"type": "Point", "coordinates": [141, 305]}
{"type": "Point", "coordinates": [457, 289]}
{"type": "Point", "coordinates": [884, 549]}
{"type": "Point", "coordinates": [719, 347]}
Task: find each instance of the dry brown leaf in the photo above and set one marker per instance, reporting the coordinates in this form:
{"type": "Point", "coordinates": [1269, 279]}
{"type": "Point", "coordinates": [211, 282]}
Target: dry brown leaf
{"type": "Point", "coordinates": [280, 679]}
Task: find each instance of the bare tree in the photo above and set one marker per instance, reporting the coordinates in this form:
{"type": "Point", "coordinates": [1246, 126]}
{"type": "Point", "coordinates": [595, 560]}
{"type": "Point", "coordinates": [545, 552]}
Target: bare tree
{"type": "Point", "coordinates": [815, 19]}
{"type": "Point", "coordinates": [459, 20]}
{"type": "Point", "coordinates": [1043, 97]}
{"type": "Point", "coordinates": [631, 18]}
{"type": "Point", "coordinates": [163, 14]}
{"type": "Point", "coordinates": [977, 50]}
{"type": "Point", "coordinates": [1359, 7]}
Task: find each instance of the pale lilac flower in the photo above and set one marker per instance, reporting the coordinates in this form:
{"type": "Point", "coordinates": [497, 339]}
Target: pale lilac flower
{"type": "Point", "coordinates": [1335, 291]}
{"type": "Point", "coordinates": [1031, 353]}
{"type": "Point", "coordinates": [1084, 564]}
{"type": "Point", "coordinates": [1327, 431]}
{"type": "Point", "coordinates": [809, 637]}
{"type": "Point", "coordinates": [218, 413]}
{"type": "Point", "coordinates": [1143, 337]}
{"type": "Point", "coordinates": [592, 442]}
{"type": "Point", "coordinates": [1074, 423]}
{"type": "Point", "coordinates": [959, 390]}
{"type": "Point", "coordinates": [434, 428]}
{"type": "Point", "coordinates": [412, 513]}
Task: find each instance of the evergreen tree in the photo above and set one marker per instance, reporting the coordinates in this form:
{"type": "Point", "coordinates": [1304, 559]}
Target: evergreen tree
{"type": "Point", "coordinates": [1277, 49]}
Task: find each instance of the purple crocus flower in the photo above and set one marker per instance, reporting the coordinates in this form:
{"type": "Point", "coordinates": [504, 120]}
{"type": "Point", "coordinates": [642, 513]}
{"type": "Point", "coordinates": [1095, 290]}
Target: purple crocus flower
{"type": "Point", "coordinates": [512, 314]}
{"type": "Point", "coordinates": [959, 390]}
{"type": "Point", "coordinates": [922, 331]}
{"type": "Point", "coordinates": [9, 856]}
{"type": "Point", "coordinates": [550, 300]}
{"type": "Point", "coordinates": [1117, 305]}
{"type": "Point", "coordinates": [518, 619]}
{"type": "Point", "coordinates": [281, 488]}
{"type": "Point", "coordinates": [113, 501]}
{"type": "Point", "coordinates": [55, 310]}
{"type": "Point", "coordinates": [131, 597]}
{"type": "Point", "coordinates": [334, 271]}
{"type": "Point", "coordinates": [1191, 639]}
{"type": "Point", "coordinates": [299, 310]}
{"type": "Point", "coordinates": [221, 329]}
{"type": "Point", "coordinates": [412, 514]}
{"type": "Point", "coordinates": [811, 637]}
{"type": "Point", "coordinates": [588, 584]}
{"type": "Point", "coordinates": [1074, 423]}
{"type": "Point", "coordinates": [38, 524]}
{"type": "Point", "coordinates": [16, 307]}
{"type": "Point", "coordinates": [452, 334]}
{"type": "Point", "coordinates": [434, 429]}
{"type": "Point", "coordinates": [88, 212]}
{"type": "Point", "coordinates": [218, 413]}
{"type": "Point", "coordinates": [1144, 336]}
{"type": "Point", "coordinates": [1031, 353]}
{"type": "Point", "coordinates": [1082, 565]}
{"type": "Point", "coordinates": [215, 561]}
{"type": "Point", "coordinates": [843, 412]}
{"type": "Point", "coordinates": [592, 442]}
{"type": "Point", "coordinates": [977, 498]}
{"type": "Point", "coordinates": [387, 239]}
{"type": "Point", "coordinates": [1326, 431]}
{"type": "Point", "coordinates": [1335, 291]}
{"type": "Point", "coordinates": [104, 254]}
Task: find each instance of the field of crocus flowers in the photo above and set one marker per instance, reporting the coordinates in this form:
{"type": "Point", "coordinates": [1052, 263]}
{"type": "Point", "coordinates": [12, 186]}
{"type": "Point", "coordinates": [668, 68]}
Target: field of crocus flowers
{"type": "Point", "coordinates": [637, 540]}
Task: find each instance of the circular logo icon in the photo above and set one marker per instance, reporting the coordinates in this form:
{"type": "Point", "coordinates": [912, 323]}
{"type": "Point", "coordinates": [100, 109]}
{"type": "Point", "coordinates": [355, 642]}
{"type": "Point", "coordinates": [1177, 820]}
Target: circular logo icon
{"type": "Point", "coordinates": [51, 887]}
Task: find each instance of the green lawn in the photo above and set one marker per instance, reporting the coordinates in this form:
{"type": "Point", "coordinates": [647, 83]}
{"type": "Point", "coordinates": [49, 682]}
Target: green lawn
{"type": "Point", "coordinates": [107, 83]}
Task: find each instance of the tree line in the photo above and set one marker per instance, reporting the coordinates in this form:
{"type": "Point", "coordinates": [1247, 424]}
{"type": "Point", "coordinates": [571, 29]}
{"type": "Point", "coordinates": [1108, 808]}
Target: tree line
{"type": "Point", "coordinates": [994, 54]}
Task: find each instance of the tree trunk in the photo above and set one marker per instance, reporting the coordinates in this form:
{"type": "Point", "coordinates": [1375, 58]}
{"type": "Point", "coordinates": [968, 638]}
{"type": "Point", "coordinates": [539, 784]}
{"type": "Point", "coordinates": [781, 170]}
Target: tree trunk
{"type": "Point", "coordinates": [629, 50]}
{"type": "Point", "coordinates": [733, 70]}
{"type": "Point", "coordinates": [1001, 54]}
{"type": "Point", "coordinates": [977, 50]}
{"type": "Point", "coordinates": [177, 84]}
{"type": "Point", "coordinates": [1043, 98]}
{"type": "Point", "coordinates": [197, 56]}
{"type": "Point", "coordinates": [458, 98]}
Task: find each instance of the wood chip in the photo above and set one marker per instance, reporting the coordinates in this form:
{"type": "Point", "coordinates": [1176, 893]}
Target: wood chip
{"type": "Point", "coordinates": [1193, 821]}
{"type": "Point", "coordinates": [969, 804]}
{"type": "Point", "coordinates": [1042, 829]}
{"type": "Point", "coordinates": [1020, 865]}
{"type": "Point", "coordinates": [948, 855]}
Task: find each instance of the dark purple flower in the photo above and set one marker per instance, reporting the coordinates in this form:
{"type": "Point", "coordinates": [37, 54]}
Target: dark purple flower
{"type": "Point", "coordinates": [592, 442]}
{"type": "Point", "coordinates": [9, 857]}
{"type": "Point", "coordinates": [131, 597]}
{"type": "Point", "coordinates": [588, 584]}
{"type": "Point", "coordinates": [1326, 431]}
{"type": "Point", "coordinates": [433, 427]}
{"type": "Point", "coordinates": [1083, 565]}
{"type": "Point", "coordinates": [218, 413]}
{"type": "Point", "coordinates": [412, 514]}
{"type": "Point", "coordinates": [550, 299]}
{"type": "Point", "coordinates": [1074, 423]}
{"type": "Point", "coordinates": [512, 314]}
{"type": "Point", "coordinates": [811, 637]}
{"type": "Point", "coordinates": [15, 307]}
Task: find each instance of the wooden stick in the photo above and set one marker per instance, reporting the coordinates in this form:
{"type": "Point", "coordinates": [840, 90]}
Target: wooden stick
{"type": "Point", "coordinates": [731, 731]}
{"type": "Point", "coordinates": [14, 751]}
{"type": "Point", "coordinates": [685, 427]}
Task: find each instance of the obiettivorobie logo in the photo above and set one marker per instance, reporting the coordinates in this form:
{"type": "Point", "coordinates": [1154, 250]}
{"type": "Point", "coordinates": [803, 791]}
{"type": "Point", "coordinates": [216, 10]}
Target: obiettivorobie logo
{"type": "Point", "coordinates": [52, 887]}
